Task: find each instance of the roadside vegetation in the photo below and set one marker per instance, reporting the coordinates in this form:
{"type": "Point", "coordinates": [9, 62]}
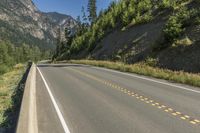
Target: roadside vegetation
{"type": "Point", "coordinates": [177, 23]}
{"type": "Point", "coordinates": [12, 79]}
{"type": "Point", "coordinates": [11, 55]}
{"type": "Point", "coordinates": [146, 68]}
{"type": "Point", "coordinates": [11, 89]}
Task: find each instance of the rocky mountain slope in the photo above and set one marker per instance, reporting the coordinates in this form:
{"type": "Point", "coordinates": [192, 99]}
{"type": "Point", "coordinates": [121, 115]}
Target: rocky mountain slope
{"type": "Point", "coordinates": [162, 34]}
{"type": "Point", "coordinates": [21, 22]}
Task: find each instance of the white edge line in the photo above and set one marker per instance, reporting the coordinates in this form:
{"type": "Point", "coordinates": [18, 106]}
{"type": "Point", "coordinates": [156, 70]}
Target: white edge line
{"type": "Point", "coordinates": [64, 125]}
{"type": "Point", "coordinates": [148, 79]}
{"type": "Point", "coordinates": [140, 77]}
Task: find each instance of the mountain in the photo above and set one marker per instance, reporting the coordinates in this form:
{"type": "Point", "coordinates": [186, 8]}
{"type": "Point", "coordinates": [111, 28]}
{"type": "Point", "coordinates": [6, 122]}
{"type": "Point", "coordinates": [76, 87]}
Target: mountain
{"type": "Point", "coordinates": [21, 22]}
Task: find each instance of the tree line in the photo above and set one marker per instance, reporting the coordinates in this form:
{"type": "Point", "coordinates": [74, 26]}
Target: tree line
{"type": "Point", "coordinates": [11, 55]}
{"type": "Point", "coordinates": [82, 27]}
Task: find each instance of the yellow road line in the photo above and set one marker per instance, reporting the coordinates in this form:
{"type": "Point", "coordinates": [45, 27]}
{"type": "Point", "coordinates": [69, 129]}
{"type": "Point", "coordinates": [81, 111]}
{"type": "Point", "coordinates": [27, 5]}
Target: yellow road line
{"type": "Point", "coordinates": [142, 98]}
{"type": "Point", "coordinates": [183, 118]}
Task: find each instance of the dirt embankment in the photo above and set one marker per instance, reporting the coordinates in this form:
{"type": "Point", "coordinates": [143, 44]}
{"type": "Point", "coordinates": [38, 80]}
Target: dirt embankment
{"type": "Point", "coordinates": [183, 57]}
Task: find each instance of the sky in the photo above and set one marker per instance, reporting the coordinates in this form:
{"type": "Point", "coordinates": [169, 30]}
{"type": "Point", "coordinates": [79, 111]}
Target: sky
{"type": "Point", "coordinates": [68, 7]}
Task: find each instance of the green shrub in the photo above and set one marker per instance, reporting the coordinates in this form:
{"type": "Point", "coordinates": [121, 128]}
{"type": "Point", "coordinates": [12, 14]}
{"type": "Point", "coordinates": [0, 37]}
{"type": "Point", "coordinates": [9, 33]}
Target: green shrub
{"type": "Point", "coordinates": [184, 15]}
{"type": "Point", "coordinates": [147, 17]}
{"type": "Point", "coordinates": [144, 6]}
{"type": "Point", "coordinates": [196, 14]}
{"type": "Point", "coordinates": [151, 62]}
{"type": "Point", "coordinates": [125, 18]}
{"type": "Point", "coordinates": [197, 21]}
{"type": "Point", "coordinates": [164, 4]}
{"type": "Point", "coordinates": [177, 23]}
{"type": "Point", "coordinates": [3, 69]}
{"type": "Point", "coordinates": [173, 29]}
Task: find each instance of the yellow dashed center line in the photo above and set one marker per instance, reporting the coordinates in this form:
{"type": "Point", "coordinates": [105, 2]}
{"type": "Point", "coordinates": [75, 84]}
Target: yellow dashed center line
{"type": "Point", "coordinates": [183, 118]}
{"type": "Point", "coordinates": [143, 99]}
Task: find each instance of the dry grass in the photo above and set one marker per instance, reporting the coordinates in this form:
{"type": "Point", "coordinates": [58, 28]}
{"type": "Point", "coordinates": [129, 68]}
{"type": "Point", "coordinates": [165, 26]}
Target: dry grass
{"type": "Point", "coordinates": [144, 69]}
{"type": "Point", "coordinates": [8, 84]}
{"type": "Point", "coordinates": [184, 42]}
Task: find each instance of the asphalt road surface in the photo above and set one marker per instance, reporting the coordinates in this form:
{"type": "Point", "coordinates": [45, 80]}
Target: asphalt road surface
{"type": "Point", "coordinates": [84, 99]}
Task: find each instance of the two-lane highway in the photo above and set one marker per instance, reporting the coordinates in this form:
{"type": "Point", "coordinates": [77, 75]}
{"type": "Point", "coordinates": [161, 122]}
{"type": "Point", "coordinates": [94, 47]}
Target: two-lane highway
{"type": "Point", "coordinates": [85, 99]}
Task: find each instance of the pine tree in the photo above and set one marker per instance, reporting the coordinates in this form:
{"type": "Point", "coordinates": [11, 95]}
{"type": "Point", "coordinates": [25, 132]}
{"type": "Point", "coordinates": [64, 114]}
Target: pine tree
{"type": "Point", "coordinates": [92, 11]}
{"type": "Point", "coordinates": [58, 42]}
{"type": "Point", "coordinates": [84, 24]}
{"type": "Point", "coordinates": [79, 25]}
{"type": "Point", "coordinates": [68, 36]}
{"type": "Point", "coordinates": [78, 20]}
{"type": "Point", "coordinates": [84, 17]}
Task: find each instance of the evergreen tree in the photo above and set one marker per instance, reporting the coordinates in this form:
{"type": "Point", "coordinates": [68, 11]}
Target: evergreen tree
{"type": "Point", "coordinates": [92, 11]}
{"type": "Point", "coordinates": [58, 42]}
{"type": "Point", "coordinates": [67, 33]}
{"type": "Point", "coordinates": [79, 24]}
{"type": "Point", "coordinates": [84, 24]}
{"type": "Point", "coordinates": [68, 36]}
{"type": "Point", "coordinates": [78, 20]}
{"type": "Point", "coordinates": [84, 17]}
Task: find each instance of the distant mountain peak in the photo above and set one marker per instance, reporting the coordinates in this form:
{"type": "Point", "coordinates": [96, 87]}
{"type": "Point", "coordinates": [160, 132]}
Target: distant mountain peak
{"type": "Point", "coordinates": [28, 3]}
{"type": "Point", "coordinates": [22, 18]}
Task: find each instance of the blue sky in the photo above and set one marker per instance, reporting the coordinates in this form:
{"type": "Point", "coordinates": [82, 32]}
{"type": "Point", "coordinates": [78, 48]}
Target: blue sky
{"type": "Point", "coordinates": [69, 7]}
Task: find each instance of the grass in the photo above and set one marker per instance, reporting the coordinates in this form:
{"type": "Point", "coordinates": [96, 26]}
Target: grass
{"type": "Point", "coordinates": [147, 70]}
{"type": "Point", "coordinates": [9, 83]}
{"type": "Point", "coordinates": [183, 41]}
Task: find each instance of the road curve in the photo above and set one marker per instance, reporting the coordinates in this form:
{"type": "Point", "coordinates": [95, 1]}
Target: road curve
{"type": "Point", "coordinates": [90, 100]}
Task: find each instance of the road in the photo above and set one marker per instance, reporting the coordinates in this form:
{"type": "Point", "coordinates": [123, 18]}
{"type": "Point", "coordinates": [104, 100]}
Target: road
{"type": "Point", "coordinates": [84, 99]}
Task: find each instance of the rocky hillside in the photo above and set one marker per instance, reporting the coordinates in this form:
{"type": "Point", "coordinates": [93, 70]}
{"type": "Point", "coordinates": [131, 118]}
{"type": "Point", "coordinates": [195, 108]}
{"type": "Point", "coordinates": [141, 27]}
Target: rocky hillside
{"type": "Point", "coordinates": [162, 34]}
{"type": "Point", "coordinates": [21, 22]}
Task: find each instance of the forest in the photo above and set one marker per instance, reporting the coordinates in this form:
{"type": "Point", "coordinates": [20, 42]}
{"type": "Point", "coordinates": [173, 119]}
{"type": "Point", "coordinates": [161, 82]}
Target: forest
{"type": "Point", "coordinates": [12, 55]}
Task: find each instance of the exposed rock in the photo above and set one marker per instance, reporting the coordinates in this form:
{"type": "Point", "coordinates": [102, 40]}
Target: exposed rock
{"type": "Point", "coordinates": [21, 22]}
